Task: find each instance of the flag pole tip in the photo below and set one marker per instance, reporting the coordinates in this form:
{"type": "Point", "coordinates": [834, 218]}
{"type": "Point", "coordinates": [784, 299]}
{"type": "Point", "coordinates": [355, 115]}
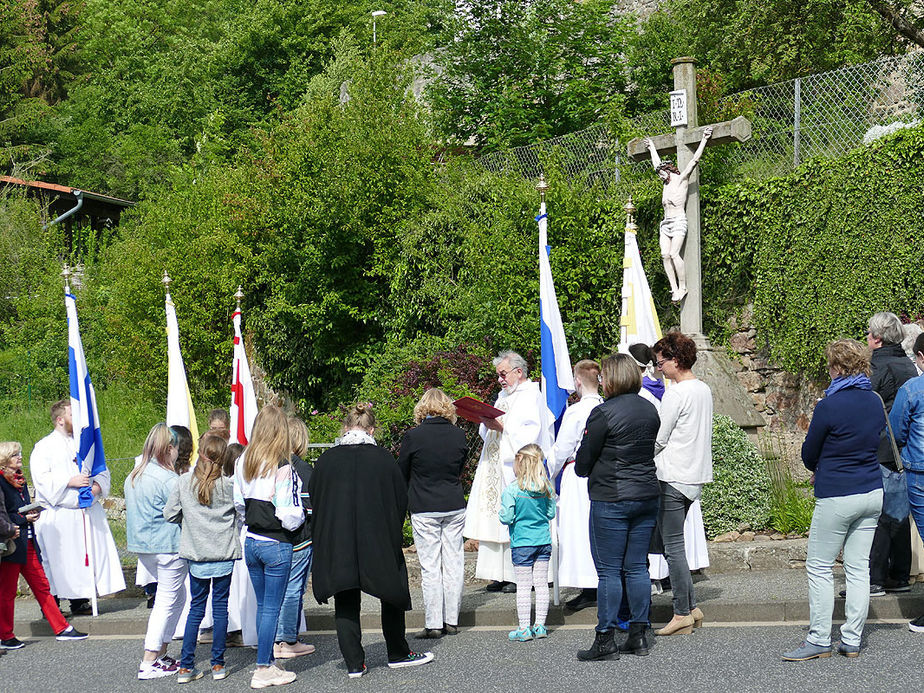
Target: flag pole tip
{"type": "Point", "coordinates": [542, 186]}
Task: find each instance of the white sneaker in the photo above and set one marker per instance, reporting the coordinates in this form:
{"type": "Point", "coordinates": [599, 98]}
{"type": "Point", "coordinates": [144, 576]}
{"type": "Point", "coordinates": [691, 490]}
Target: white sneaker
{"type": "Point", "coordinates": [271, 676]}
{"type": "Point", "coordinates": [154, 670]}
{"type": "Point", "coordinates": [284, 650]}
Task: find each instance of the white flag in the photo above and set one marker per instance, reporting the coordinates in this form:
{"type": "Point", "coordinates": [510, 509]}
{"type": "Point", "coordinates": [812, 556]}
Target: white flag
{"type": "Point", "coordinates": [243, 399]}
{"type": "Point", "coordinates": [639, 321]}
{"type": "Point", "coordinates": [179, 403]}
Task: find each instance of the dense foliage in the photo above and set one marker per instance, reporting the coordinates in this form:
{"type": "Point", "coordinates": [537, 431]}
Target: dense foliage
{"type": "Point", "coordinates": [751, 42]}
{"type": "Point", "coordinates": [740, 492]}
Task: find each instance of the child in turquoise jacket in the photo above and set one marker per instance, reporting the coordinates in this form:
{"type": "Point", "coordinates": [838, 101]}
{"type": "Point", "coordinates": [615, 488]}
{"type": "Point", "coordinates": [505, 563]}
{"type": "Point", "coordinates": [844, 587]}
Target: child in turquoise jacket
{"type": "Point", "coordinates": [527, 506]}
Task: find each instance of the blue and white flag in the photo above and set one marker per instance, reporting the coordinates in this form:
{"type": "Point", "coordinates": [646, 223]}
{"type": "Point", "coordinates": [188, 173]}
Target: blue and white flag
{"type": "Point", "coordinates": [557, 380]}
{"type": "Point", "coordinates": [87, 438]}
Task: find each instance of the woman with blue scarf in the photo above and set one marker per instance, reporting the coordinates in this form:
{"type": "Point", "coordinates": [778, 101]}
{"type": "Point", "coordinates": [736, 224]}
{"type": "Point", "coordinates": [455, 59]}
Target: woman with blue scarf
{"type": "Point", "coordinates": [840, 451]}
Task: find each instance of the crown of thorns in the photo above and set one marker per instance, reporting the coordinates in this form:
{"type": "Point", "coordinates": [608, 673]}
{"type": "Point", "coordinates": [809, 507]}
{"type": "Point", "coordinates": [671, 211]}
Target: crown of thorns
{"type": "Point", "coordinates": [669, 165]}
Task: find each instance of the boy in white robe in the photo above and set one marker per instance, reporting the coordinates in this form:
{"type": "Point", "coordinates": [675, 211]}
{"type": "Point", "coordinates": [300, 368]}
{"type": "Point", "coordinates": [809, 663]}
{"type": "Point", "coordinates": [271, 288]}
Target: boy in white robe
{"type": "Point", "coordinates": [575, 563]}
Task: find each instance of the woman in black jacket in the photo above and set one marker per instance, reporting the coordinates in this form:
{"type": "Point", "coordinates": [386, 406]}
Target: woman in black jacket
{"type": "Point", "coordinates": [359, 500]}
{"type": "Point", "coordinates": [617, 456]}
{"type": "Point", "coordinates": [432, 457]}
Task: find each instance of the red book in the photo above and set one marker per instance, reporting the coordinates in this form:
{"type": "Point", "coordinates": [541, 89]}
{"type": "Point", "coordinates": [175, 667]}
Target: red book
{"type": "Point", "coordinates": [474, 410]}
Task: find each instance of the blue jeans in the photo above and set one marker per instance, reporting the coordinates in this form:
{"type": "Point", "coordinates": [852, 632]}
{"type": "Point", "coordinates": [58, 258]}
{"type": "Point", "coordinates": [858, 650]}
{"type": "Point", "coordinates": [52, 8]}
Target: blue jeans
{"type": "Point", "coordinates": [915, 481]}
{"type": "Point", "coordinates": [199, 590]}
{"type": "Point", "coordinates": [293, 602]}
{"type": "Point", "coordinates": [620, 533]}
{"type": "Point", "coordinates": [268, 563]}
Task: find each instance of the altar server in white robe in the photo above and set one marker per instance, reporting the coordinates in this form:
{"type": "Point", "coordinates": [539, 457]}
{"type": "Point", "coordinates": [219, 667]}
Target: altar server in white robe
{"type": "Point", "coordinates": [575, 563]}
{"type": "Point", "coordinates": [694, 534]}
{"type": "Point", "coordinates": [73, 541]}
{"type": "Point", "coordinates": [523, 423]}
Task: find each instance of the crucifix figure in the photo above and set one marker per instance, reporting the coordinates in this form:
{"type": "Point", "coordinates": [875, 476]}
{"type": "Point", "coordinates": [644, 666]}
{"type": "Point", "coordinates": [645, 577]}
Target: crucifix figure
{"type": "Point", "coordinates": [688, 141]}
{"type": "Point", "coordinates": [673, 227]}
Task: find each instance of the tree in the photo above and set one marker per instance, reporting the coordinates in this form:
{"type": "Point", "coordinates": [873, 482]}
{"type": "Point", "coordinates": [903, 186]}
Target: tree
{"type": "Point", "coordinates": [752, 42]}
{"type": "Point", "coordinates": [509, 72]}
{"type": "Point", "coordinates": [896, 16]}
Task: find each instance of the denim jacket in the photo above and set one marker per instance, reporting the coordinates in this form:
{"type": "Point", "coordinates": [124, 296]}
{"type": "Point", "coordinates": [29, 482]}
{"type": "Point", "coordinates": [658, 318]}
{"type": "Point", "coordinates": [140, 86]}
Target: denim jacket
{"type": "Point", "coordinates": [907, 420]}
{"type": "Point", "coordinates": [146, 529]}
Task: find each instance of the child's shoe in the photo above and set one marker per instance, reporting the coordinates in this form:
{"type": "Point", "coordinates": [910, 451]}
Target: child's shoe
{"type": "Point", "coordinates": [540, 632]}
{"type": "Point", "coordinates": [521, 634]}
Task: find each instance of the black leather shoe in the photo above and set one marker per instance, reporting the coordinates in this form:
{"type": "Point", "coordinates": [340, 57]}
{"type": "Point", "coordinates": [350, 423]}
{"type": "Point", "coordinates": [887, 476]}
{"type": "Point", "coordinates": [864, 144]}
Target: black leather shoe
{"type": "Point", "coordinates": [587, 597]}
{"type": "Point", "coordinates": [495, 586]}
{"type": "Point", "coordinates": [637, 642]}
{"type": "Point", "coordinates": [450, 630]}
{"type": "Point", "coordinates": [81, 607]}
{"type": "Point", "coordinates": [509, 588]}
{"type": "Point", "coordinates": [428, 634]}
{"type": "Point", "coordinates": [604, 647]}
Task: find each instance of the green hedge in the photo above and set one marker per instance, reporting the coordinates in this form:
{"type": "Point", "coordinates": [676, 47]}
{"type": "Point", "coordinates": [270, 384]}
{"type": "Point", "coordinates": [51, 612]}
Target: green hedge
{"type": "Point", "coordinates": [740, 492]}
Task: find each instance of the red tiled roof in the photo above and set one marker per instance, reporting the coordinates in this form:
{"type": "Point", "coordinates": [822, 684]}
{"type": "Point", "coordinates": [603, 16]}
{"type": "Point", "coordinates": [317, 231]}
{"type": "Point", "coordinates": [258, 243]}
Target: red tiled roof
{"type": "Point", "coordinates": [54, 187]}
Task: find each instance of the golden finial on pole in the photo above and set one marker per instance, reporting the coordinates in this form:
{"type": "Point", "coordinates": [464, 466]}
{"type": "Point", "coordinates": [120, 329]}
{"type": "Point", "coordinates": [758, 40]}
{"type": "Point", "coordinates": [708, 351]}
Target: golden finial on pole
{"type": "Point", "coordinates": [630, 215]}
{"type": "Point", "coordinates": [239, 296]}
{"type": "Point", "coordinates": [542, 186]}
{"type": "Point", "coordinates": [66, 273]}
{"type": "Point", "coordinates": [166, 281]}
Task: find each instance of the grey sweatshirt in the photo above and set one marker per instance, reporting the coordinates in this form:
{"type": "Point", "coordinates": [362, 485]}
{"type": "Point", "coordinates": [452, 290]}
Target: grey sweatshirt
{"type": "Point", "coordinates": [208, 532]}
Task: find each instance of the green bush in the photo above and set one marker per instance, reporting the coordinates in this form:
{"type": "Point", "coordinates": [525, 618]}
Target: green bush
{"type": "Point", "coordinates": [740, 492]}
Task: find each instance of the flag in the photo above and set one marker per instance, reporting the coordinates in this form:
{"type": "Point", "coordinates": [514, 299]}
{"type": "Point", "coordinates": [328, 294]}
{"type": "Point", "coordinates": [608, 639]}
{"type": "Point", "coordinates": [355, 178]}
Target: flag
{"type": "Point", "coordinates": [87, 437]}
{"type": "Point", "coordinates": [557, 380]}
{"type": "Point", "coordinates": [180, 410]}
{"type": "Point", "coordinates": [639, 321]}
{"type": "Point", "coordinates": [243, 399]}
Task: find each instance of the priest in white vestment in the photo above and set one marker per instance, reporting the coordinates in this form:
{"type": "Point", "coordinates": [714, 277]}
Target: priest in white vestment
{"type": "Point", "coordinates": [575, 562]}
{"type": "Point", "coordinates": [522, 423]}
{"type": "Point", "coordinates": [73, 541]}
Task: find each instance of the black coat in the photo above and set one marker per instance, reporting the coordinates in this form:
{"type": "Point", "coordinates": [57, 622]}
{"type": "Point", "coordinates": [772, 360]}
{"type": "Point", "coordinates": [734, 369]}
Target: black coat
{"type": "Point", "coordinates": [890, 368]}
{"type": "Point", "coordinates": [617, 450]}
{"type": "Point", "coordinates": [13, 500]}
{"type": "Point", "coordinates": [432, 457]}
{"type": "Point", "coordinates": [359, 502]}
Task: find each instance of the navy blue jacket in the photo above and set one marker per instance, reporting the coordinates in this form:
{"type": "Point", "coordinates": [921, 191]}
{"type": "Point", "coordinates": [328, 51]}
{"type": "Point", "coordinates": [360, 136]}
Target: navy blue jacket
{"type": "Point", "coordinates": [841, 444]}
{"type": "Point", "coordinates": [14, 499]}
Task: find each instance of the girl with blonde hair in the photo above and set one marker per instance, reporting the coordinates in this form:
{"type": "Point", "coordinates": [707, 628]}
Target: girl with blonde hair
{"type": "Point", "coordinates": [267, 497]}
{"type": "Point", "coordinates": [202, 503]}
{"type": "Point", "coordinates": [527, 507]}
{"type": "Point", "coordinates": [157, 543]}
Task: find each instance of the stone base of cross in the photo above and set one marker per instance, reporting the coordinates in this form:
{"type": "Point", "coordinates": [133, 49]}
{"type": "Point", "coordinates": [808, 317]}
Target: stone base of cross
{"type": "Point", "coordinates": [684, 141]}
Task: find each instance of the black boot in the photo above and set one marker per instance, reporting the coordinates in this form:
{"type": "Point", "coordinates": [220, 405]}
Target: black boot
{"type": "Point", "coordinates": [587, 597]}
{"type": "Point", "coordinates": [604, 646]}
{"type": "Point", "coordinates": [637, 642]}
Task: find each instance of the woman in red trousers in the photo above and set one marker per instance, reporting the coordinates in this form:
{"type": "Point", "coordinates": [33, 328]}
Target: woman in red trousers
{"type": "Point", "coordinates": [26, 559]}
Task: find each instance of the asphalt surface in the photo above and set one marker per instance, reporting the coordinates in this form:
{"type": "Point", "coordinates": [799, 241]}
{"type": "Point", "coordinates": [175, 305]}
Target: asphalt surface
{"type": "Point", "coordinates": [734, 658]}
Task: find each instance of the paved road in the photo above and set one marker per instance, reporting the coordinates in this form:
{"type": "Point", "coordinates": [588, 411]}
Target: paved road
{"type": "Point", "coordinates": [715, 658]}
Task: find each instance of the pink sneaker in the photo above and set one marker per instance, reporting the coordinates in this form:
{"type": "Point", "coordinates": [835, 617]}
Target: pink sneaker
{"type": "Point", "coordinates": [284, 650]}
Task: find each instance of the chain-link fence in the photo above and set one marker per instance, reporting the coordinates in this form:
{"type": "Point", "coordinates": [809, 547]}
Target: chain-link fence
{"type": "Point", "coordinates": [823, 115]}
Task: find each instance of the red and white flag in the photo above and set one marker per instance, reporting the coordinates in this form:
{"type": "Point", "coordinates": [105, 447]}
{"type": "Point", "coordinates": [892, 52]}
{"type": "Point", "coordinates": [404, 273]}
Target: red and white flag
{"type": "Point", "coordinates": [243, 399]}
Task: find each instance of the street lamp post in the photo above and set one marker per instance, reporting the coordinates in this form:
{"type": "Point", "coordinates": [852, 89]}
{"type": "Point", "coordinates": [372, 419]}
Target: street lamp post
{"type": "Point", "coordinates": [376, 14]}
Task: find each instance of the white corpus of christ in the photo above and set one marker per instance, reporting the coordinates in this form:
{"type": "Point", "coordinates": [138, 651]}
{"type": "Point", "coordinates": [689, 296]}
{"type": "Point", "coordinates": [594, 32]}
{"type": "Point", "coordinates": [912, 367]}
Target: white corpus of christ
{"type": "Point", "coordinates": [66, 535]}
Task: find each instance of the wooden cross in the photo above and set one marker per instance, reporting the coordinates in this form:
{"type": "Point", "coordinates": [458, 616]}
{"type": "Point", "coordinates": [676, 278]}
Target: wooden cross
{"type": "Point", "coordinates": [684, 141]}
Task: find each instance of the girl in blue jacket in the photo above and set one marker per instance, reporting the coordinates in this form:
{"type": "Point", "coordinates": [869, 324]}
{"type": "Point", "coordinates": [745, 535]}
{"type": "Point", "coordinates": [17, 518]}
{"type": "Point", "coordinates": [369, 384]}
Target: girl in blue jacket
{"type": "Point", "coordinates": [527, 506]}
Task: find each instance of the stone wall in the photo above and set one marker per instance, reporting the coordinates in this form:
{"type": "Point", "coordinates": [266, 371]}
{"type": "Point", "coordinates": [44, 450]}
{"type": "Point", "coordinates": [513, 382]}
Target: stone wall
{"type": "Point", "coordinates": [784, 400]}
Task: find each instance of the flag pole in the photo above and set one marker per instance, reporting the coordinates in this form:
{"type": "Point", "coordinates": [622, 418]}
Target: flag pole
{"type": "Point", "coordinates": [87, 544]}
{"type": "Point", "coordinates": [542, 187]}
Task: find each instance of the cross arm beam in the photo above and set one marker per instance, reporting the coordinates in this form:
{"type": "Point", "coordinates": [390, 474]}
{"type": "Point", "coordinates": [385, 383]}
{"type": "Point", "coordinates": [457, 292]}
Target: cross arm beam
{"type": "Point", "coordinates": [737, 130]}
